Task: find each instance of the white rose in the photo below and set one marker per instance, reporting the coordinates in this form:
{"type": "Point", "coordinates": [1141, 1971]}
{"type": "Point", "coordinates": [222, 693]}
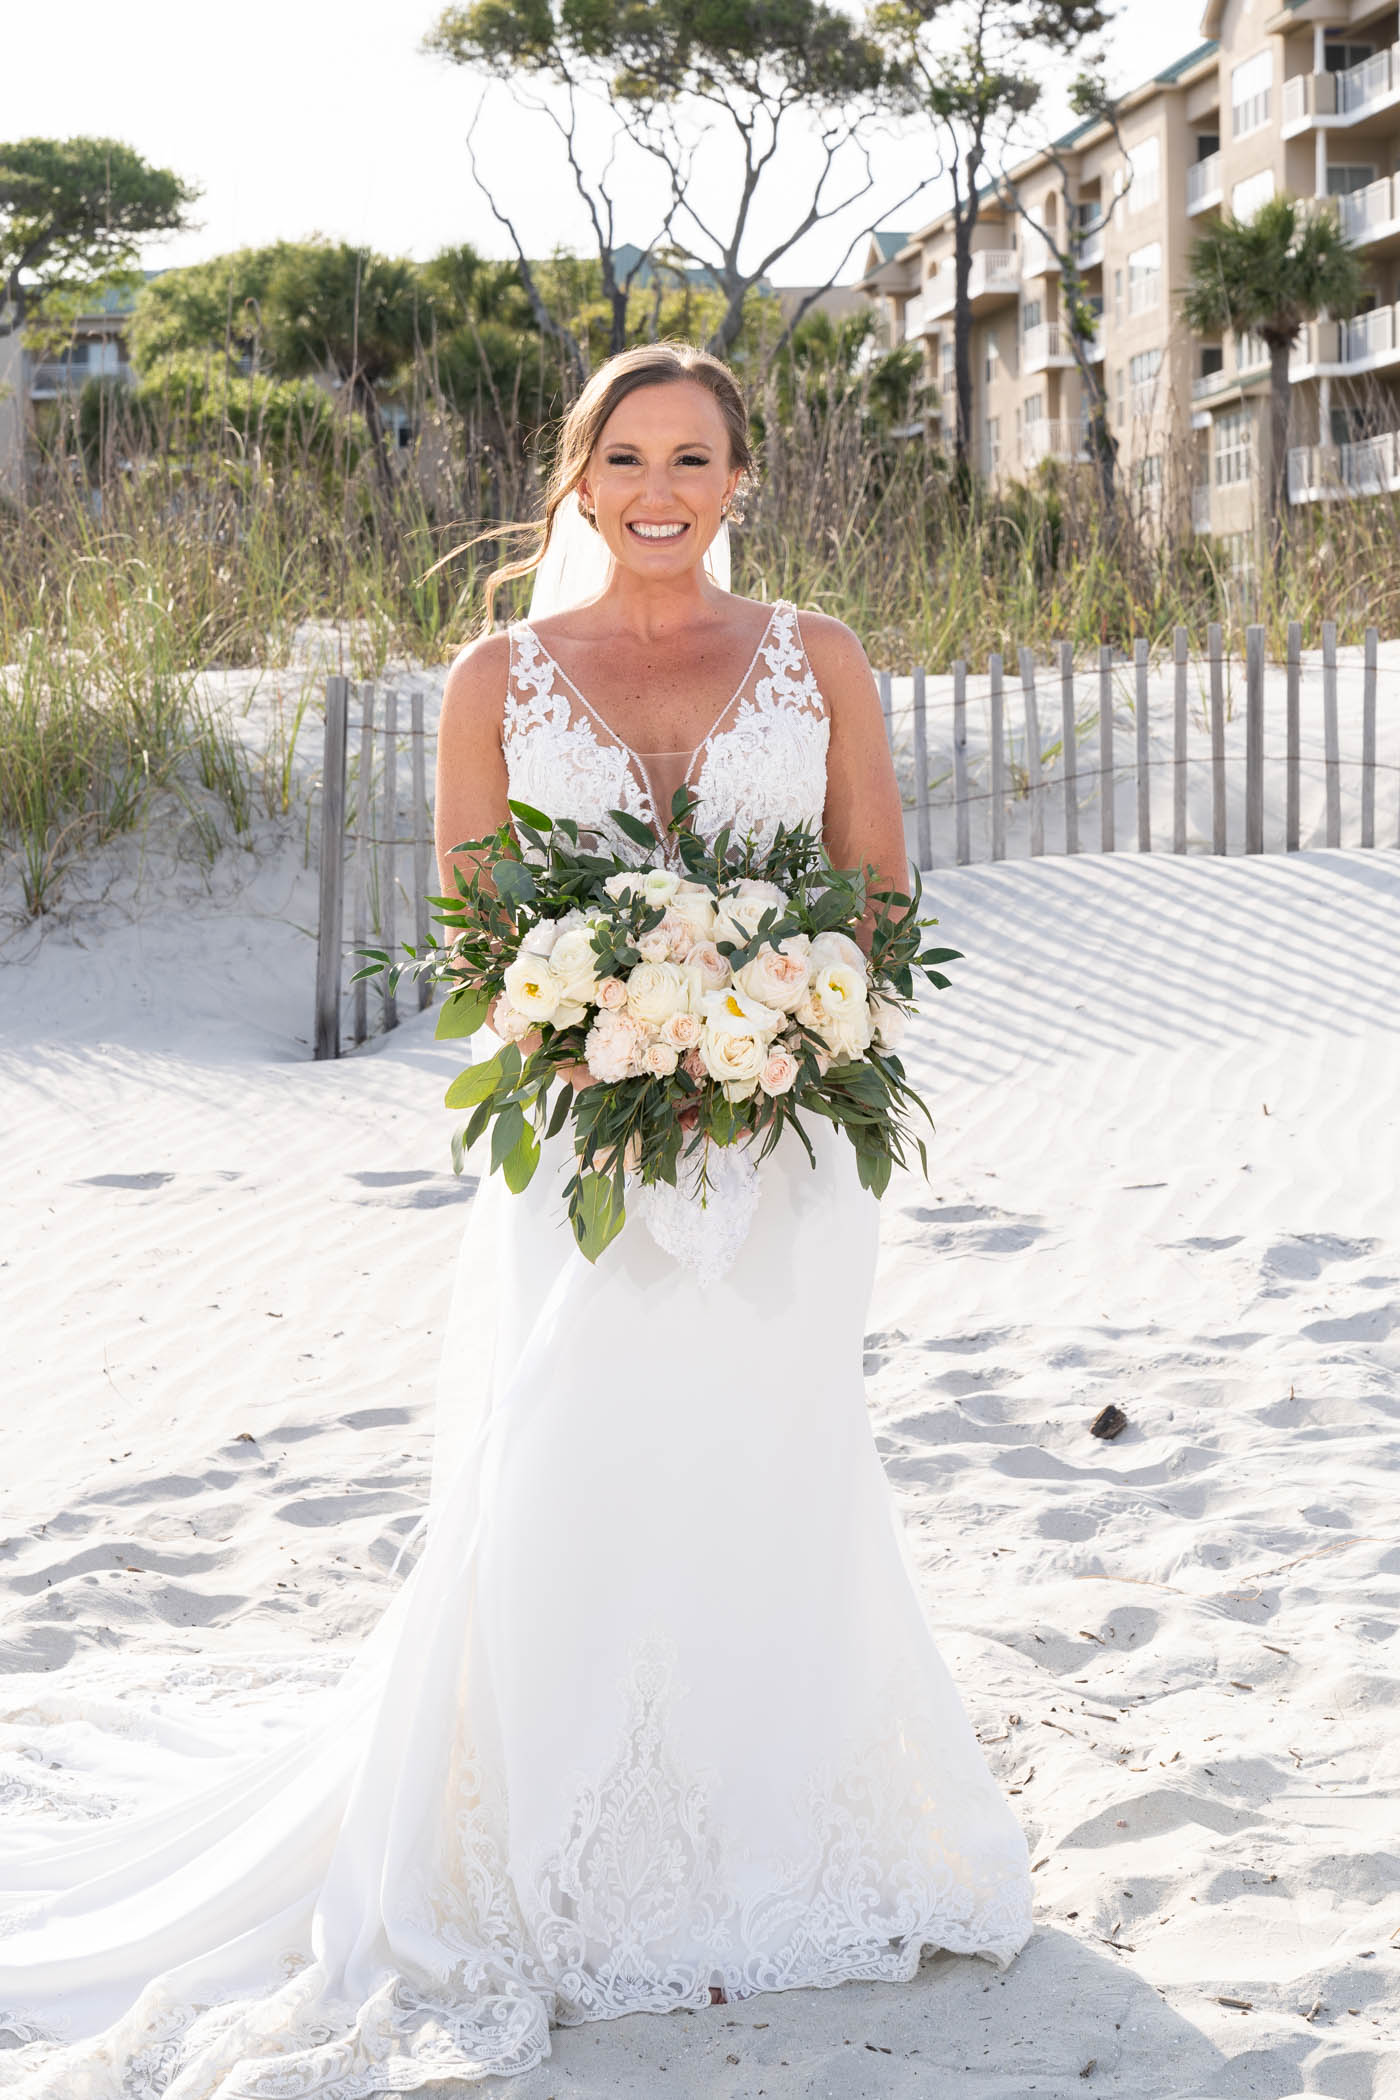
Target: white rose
{"type": "Point", "coordinates": [737, 1014]}
{"type": "Point", "coordinates": [778, 976]}
{"type": "Point", "coordinates": [540, 939]}
{"type": "Point", "coordinates": [624, 885]}
{"type": "Point", "coordinates": [733, 1059]}
{"type": "Point", "coordinates": [767, 891]}
{"type": "Point", "coordinates": [694, 903]}
{"type": "Point", "coordinates": [659, 886]}
{"type": "Point", "coordinates": [838, 948]}
{"type": "Point", "coordinates": [574, 966]}
{"type": "Point", "coordinates": [510, 1024]}
{"type": "Point", "coordinates": [837, 1008]}
{"type": "Point", "coordinates": [737, 917]}
{"type": "Point", "coordinates": [569, 1012]}
{"type": "Point", "coordinates": [532, 989]}
{"type": "Point", "coordinates": [888, 1022]}
{"type": "Point", "coordinates": [657, 990]}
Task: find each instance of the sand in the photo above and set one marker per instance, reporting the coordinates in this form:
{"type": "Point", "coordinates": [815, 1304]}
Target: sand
{"type": "Point", "coordinates": [1168, 1103]}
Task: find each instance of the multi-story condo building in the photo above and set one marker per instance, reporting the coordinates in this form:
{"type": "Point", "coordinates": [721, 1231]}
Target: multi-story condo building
{"type": "Point", "coordinates": [1301, 97]}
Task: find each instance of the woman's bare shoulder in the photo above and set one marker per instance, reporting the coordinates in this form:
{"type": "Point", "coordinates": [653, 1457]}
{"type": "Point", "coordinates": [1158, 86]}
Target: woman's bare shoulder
{"type": "Point", "coordinates": [834, 650]}
{"type": "Point", "coordinates": [476, 681]}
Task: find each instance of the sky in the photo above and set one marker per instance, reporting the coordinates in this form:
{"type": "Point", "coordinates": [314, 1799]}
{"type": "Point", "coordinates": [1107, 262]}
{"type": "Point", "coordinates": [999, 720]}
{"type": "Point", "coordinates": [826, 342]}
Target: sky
{"type": "Point", "coordinates": [297, 117]}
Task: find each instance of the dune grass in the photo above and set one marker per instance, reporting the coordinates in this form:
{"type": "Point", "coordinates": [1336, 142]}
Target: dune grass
{"type": "Point", "coordinates": [126, 574]}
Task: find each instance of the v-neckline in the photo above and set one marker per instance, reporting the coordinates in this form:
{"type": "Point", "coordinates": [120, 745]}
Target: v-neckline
{"type": "Point", "coordinates": [621, 742]}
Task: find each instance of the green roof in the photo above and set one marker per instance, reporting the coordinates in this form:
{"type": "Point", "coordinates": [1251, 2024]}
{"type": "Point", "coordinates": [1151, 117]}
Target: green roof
{"type": "Point", "coordinates": [1192, 58]}
{"type": "Point", "coordinates": [890, 244]}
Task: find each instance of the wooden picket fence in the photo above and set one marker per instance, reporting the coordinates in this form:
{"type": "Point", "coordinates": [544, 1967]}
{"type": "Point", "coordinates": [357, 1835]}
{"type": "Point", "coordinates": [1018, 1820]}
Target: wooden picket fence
{"type": "Point", "coordinates": [380, 820]}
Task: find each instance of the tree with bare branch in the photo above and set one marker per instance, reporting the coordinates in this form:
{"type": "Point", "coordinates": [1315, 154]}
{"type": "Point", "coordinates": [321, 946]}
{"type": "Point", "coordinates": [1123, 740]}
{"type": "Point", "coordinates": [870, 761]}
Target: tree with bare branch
{"type": "Point", "coordinates": [976, 68]}
{"type": "Point", "coordinates": [684, 82]}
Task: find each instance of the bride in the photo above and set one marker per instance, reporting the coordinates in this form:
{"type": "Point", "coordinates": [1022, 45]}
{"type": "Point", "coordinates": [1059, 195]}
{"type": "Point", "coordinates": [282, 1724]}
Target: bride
{"type": "Point", "coordinates": [657, 1717]}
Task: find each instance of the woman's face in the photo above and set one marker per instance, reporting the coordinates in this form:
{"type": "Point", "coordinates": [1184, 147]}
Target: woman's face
{"type": "Point", "coordinates": [659, 476]}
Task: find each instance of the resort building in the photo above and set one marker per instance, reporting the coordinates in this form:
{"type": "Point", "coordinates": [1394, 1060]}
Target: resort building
{"type": "Point", "coordinates": [1300, 98]}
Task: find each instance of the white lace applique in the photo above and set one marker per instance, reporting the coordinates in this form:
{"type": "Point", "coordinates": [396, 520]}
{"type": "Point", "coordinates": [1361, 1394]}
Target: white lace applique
{"type": "Point", "coordinates": [762, 765]}
{"type": "Point", "coordinates": [645, 1900]}
{"type": "Point", "coordinates": [555, 759]}
{"type": "Point", "coordinates": [702, 1228]}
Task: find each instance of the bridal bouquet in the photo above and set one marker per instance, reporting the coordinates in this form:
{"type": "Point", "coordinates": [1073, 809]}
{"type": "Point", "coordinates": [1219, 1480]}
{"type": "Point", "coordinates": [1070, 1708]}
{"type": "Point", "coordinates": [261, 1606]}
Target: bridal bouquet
{"type": "Point", "coordinates": [715, 1004]}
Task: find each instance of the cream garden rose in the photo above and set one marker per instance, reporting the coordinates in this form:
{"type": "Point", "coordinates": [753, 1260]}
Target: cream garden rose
{"type": "Point", "coordinates": [778, 976]}
{"type": "Point", "coordinates": [837, 1008]}
{"type": "Point", "coordinates": [574, 966]}
{"type": "Point", "coordinates": [709, 965]}
{"type": "Point", "coordinates": [733, 1060]}
{"type": "Point", "coordinates": [838, 948]}
{"type": "Point", "coordinates": [657, 990]}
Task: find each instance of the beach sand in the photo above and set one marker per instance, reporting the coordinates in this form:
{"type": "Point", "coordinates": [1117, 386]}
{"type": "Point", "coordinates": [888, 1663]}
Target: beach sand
{"type": "Point", "coordinates": [1167, 1094]}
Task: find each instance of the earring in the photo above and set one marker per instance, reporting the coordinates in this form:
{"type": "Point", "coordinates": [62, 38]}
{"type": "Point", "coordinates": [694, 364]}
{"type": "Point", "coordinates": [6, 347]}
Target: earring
{"type": "Point", "coordinates": [585, 508]}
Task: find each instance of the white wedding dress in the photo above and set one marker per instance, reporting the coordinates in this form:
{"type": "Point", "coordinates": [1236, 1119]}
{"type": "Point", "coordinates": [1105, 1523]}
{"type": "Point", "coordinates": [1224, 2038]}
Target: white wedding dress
{"type": "Point", "coordinates": [657, 1708]}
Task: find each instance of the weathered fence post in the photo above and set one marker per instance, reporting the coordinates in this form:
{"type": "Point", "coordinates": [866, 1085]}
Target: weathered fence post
{"type": "Point", "coordinates": [328, 925]}
{"type": "Point", "coordinates": [1105, 748]}
{"type": "Point", "coordinates": [1180, 650]}
{"type": "Point", "coordinates": [1331, 748]}
{"type": "Point", "coordinates": [1144, 756]}
{"type": "Point", "coordinates": [388, 901]}
{"type": "Point", "coordinates": [363, 827]}
{"type": "Point", "coordinates": [1068, 750]}
{"type": "Point", "coordinates": [921, 810]}
{"type": "Point", "coordinates": [1368, 741]}
{"type": "Point", "coordinates": [1215, 649]}
{"type": "Point", "coordinates": [1293, 738]}
{"type": "Point", "coordinates": [420, 845]}
{"type": "Point", "coordinates": [960, 761]}
{"type": "Point", "coordinates": [1254, 740]}
{"type": "Point", "coordinates": [887, 706]}
{"type": "Point", "coordinates": [998, 759]}
{"type": "Point", "coordinates": [1027, 665]}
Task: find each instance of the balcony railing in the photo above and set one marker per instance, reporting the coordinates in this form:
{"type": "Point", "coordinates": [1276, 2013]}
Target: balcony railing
{"type": "Point", "coordinates": [1364, 468]}
{"type": "Point", "coordinates": [1203, 183]}
{"type": "Point", "coordinates": [1363, 213]}
{"type": "Point", "coordinates": [1369, 82]}
{"type": "Point", "coordinates": [1047, 345]}
{"type": "Point", "coordinates": [1250, 115]}
{"type": "Point", "coordinates": [1369, 335]}
{"type": "Point", "coordinates": [59, 376]}
{"type": "Point", "coordinates": [1088, 249]}
{"type": "Point", "coordinates": [1052, 439]}
{"type": "Point", "coordinates": [1207, 383]}
{"type": "Point", "coordinates": [1371, 339]}
{"type": "Point", "coordinates": [994, 270]}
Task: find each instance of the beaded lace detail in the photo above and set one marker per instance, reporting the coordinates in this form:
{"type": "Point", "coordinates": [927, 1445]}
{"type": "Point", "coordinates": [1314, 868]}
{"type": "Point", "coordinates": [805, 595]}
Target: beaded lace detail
{"type": "Point", "coordinates": [763, 764]}
{"type": "Point", "coordinates": [644, 1902]}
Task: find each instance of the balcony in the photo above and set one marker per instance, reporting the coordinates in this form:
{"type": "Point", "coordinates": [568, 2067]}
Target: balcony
{"type": "Point", "coordinates": [1207, 383]}
{"type": "Point", "coordinates": [1204, 184]}
{"type": "Point", "coordinates": [54, 376]}
{"type": "Point", "coordinates": [1369, 343]}
{"type": "Point", "coordinates": [996, 275]}
{"type": "Point", "coordinates": [1045, 346]}
{"type": "Point", "coordinates": [1038, 258]}
{"type": "Point", "coordinates": [1047, 439]}
{"type": "Point", "coordinates": [917, 320]}
{"type": "Point", "coordinates": [1372, 214]}
{"type": "Point", "coordinates": [1321, 473]}
{"type": "Point", "coordinates": [1334, 101]}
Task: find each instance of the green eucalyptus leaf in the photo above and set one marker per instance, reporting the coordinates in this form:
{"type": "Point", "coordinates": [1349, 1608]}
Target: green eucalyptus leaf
{"type": "Point", "coordinates": [520, 1163]}
{"type": "Point", "coordinates": [596, 1218]}
{"type": "Point", "coordinates": [528, 814]}
{"type": "Point", "coordinates": [510, 1126]}
{"type": "Point", "coordinates": [462, 1013]}
{"type": "Point", "coordinates": [478, 1082]}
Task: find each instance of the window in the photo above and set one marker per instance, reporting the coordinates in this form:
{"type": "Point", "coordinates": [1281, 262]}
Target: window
{"type": "Point", "coordinates": [1251, 353]}
{"type": "Point", "coordinates": [1212, 359]}
{"type": "Point", "coordinates": [993, 436]}
{"type": "Point", "coordinates": [991, 363]}
{"type": "Point", "coordinates": [1247, 196]}
{"type": "Point", "coordinates": [1340, 58]}
{"type": "Point", "coordinates": [1120, 381]}
{"type": "Point", "coordinates": [1035, 408]}
{"type": "Point", "coordinates": [1249, 93]}
{"type": "Point", "coordinates": [1142, 378]}
{"type": "Point", "coordinates": [1207, 144]}
{"type": "Point", "coordinates": [949, 379]}
{"type": "Point", "coordinates": [1344, 176]}
{"type": "Point", "coordinates": [1234, 447]}
{"type": "Point", "coordinates": [1145, 277]}
{"type": "Point", "coordinates": [1030, 316]}
{"type": "Point", "coordinates": [1145, 162]}
{"type": "Point", "coordinates": [1118, 295]}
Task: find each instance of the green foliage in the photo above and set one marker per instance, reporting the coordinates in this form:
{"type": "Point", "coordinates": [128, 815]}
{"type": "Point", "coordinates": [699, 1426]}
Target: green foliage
{"type": "Point", "coordinates": [73, 214]}
{"type": "Point", "coordinates": [1271, 274]}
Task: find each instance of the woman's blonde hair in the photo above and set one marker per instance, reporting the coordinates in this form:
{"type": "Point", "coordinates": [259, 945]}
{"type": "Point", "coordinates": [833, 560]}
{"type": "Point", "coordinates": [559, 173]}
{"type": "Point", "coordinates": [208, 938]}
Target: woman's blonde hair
{"type": "Point", "coordinates": [651, 364]}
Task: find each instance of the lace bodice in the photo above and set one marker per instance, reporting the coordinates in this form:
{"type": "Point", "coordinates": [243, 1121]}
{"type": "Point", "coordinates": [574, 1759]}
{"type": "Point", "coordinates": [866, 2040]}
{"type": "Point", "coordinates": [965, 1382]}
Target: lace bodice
{"type": "Point", "coordinates": [763, 764]}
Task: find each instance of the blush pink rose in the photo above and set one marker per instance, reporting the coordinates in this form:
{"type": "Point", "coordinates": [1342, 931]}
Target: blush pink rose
{"type": "Point", "coordinates": [611, 994]}
{"type": "Point", "coordinates": [779, 1072]}
{"type": "Point", "coordinates": [693, 1064]}
{"type": "Point", "coordinates": [714, 970]}
{"type": "Point", "coordinates": [683, 1031]}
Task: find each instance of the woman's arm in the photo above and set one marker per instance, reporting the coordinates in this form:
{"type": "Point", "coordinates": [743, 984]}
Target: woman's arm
{"type": "Point", "coordinates": [864, 817]}
{"type": "Point", "coordinates": [471, 768]}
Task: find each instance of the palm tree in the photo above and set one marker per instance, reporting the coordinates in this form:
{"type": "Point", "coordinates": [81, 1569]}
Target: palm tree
{"type": "Point", "coordinates": [1268, 276]}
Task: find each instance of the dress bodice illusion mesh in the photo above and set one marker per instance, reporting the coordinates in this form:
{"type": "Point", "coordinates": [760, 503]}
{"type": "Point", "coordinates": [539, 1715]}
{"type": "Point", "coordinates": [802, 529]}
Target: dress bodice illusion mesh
{"type": "Point", "coordinates": [658, 1707]}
